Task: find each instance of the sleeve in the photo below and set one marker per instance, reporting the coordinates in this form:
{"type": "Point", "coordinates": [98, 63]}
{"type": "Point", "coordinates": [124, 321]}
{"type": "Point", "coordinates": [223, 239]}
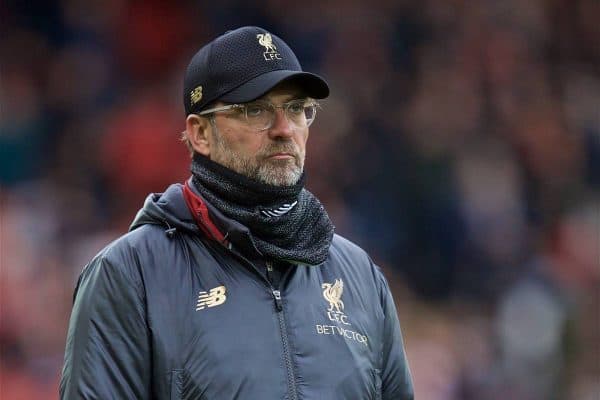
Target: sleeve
{"type": "Point", "coordinates": [395, 374]}
{"type": "Point", "coordinates": [107, 353]}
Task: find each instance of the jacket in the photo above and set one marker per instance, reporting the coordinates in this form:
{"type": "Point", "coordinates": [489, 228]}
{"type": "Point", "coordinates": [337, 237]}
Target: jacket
{"type": "Point", "coordinates": [168, 312]}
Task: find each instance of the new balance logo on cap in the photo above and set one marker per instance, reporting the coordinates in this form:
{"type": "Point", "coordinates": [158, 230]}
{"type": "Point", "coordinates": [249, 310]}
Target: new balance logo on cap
{"type": "Point", "coordinates": [215, 297]}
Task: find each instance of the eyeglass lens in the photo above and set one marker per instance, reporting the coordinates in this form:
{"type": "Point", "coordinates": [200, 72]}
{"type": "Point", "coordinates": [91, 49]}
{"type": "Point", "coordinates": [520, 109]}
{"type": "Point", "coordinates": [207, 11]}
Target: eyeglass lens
{"type": "Point", "coordinates": [262, 115]}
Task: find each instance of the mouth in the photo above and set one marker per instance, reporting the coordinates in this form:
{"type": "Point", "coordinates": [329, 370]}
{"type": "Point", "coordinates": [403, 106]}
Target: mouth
{"type": "Point", "coordinates": [281, 156]}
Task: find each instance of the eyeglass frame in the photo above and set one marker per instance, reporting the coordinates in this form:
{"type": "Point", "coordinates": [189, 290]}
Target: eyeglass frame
{"type": "Point", "coordinates": [243, 107]}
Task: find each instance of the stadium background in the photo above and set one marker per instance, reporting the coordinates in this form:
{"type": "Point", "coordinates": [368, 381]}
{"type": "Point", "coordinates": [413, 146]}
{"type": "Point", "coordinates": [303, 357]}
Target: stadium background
{"type": "Point", "coordinates": [460, 146]}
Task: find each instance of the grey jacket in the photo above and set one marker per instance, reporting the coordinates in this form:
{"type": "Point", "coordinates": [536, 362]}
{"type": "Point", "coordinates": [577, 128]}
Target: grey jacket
{"type": "Point", "coordinates": [165, 312]}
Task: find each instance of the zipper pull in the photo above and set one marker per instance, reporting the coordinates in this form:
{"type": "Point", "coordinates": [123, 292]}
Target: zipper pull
{"type": "Point", "coordinates": [278, 303]}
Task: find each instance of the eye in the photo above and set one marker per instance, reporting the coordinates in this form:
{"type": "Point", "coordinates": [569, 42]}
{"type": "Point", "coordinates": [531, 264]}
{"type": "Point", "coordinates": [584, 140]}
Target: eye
{"type": "Point", "coordinates": [254, 110]}
{"type": "Point", "coordinates": [296, 107]}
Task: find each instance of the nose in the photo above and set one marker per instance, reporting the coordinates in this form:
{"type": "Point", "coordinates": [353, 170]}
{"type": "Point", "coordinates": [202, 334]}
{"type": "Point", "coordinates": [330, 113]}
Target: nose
{"type": "Point", "coordinates": [281, 126]}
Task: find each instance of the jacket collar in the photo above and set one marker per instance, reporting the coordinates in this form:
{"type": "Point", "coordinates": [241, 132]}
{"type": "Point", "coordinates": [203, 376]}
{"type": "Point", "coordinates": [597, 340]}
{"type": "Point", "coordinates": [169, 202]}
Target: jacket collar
{"type": "Point", "coordinates": [214, 224]}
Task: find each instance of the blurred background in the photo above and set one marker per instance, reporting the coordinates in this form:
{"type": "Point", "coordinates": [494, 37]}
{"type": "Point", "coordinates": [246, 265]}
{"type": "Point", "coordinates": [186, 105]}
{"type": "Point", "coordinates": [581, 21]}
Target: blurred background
{"type": "Point", "coordinates": [460, 147]}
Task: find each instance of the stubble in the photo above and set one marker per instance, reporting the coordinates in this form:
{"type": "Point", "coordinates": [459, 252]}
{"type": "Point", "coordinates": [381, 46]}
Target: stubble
{"type": "Point", "coordinates": [260, 167]}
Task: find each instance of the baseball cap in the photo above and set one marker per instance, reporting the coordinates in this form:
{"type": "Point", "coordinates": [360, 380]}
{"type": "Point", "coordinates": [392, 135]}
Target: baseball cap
{"type": "Point", "coordinates": [242, 65]}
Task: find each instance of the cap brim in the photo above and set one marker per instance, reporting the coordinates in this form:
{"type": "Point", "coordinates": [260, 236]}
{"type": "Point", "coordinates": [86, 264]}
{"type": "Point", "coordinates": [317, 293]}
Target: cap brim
{"type": "Point", "coordinates": [312, 84]}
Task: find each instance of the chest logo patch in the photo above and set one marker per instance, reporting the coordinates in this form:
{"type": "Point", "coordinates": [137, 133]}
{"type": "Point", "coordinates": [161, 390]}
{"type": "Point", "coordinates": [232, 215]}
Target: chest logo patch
{"type": "Point", "coordinates": [214, 297]}
{"type": "Point", "coordinates": [338, 325]}
{"type": "Point", "coordinates": [333, 294]}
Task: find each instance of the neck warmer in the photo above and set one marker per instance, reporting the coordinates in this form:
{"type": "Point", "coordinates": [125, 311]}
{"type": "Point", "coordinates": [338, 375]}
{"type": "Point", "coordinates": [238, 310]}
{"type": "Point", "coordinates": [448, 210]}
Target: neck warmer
{"type": "Point", "coordinates": [286, 222]}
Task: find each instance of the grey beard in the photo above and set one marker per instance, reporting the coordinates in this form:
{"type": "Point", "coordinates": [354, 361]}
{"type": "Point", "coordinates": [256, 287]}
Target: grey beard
{"type": "Point", "coordinates": [276, 175]}
{"type": "Point", "coordinates": [284, 174]}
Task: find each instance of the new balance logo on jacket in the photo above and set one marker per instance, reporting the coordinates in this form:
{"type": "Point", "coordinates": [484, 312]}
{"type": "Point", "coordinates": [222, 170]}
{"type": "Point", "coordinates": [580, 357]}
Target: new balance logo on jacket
{"type": "Point", "coordinates": [214, 297]}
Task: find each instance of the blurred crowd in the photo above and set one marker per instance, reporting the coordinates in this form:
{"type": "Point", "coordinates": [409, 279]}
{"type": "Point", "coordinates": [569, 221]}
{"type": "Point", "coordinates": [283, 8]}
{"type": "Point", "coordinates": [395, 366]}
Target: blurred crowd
{"type": "Point", "coordinates": [460, 147]}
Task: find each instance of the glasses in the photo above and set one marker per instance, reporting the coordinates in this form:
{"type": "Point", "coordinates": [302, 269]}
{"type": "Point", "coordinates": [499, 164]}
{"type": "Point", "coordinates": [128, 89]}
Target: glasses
{"type": "Point", "coordinates": [260, 115]}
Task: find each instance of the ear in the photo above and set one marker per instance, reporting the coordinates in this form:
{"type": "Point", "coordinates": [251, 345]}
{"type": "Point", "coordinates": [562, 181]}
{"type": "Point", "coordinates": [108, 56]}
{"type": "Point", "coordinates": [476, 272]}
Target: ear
{"type": "Point", "coordinates": [197, 131]}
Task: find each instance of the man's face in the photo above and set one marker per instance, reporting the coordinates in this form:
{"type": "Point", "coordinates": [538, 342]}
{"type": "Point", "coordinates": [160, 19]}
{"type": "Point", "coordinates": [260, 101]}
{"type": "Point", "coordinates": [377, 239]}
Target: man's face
{"type": "Point", "coordinates": [274, 156]}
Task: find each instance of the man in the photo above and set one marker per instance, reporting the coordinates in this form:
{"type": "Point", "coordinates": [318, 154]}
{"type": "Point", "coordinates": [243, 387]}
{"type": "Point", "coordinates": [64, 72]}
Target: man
{"type": "Point", "coordinates": [233, 285]}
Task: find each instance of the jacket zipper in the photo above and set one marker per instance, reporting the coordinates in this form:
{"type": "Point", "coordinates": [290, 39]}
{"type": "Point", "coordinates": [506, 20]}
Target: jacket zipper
{"type": "Point", "coordinates": [291, 378]}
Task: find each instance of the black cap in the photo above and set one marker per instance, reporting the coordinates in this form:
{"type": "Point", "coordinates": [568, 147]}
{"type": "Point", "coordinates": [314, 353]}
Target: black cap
{"type": "Point", "coordinates": [242, 65]}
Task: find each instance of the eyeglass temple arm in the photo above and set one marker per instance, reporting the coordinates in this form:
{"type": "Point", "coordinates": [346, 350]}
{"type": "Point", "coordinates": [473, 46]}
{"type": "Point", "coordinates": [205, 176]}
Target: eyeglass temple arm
{"type": "Point", "coordinates": [222, 108]}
